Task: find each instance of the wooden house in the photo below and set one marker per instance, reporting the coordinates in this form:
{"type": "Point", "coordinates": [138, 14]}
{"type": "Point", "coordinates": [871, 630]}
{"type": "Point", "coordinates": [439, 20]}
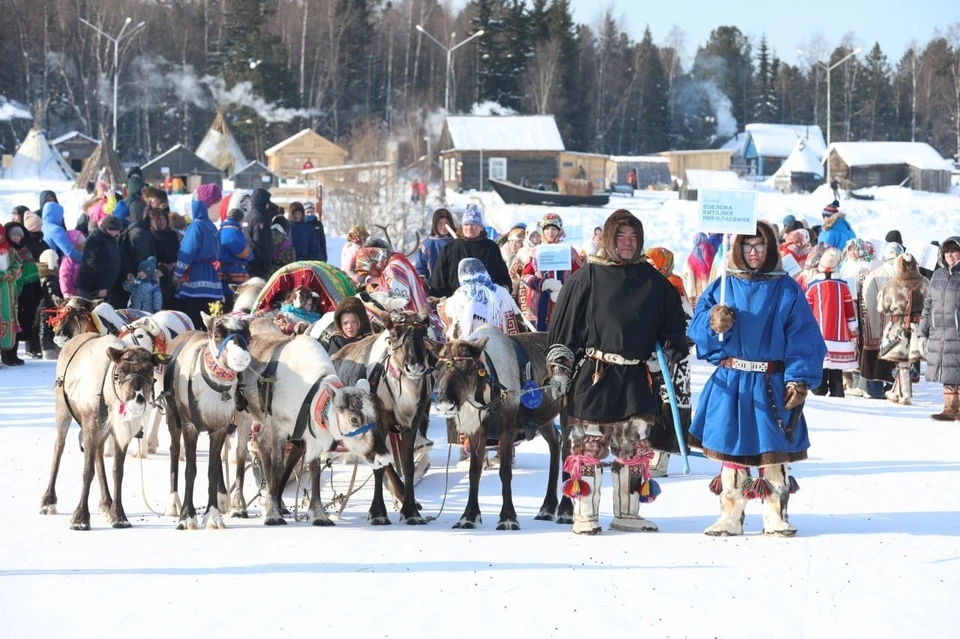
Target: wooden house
{"type": "Point", "coordinates": [914, 164]}
{"type": "Point", "coordinates": [181, 162]}
{"type": "Point", "coordinates": [255, 175]}
{"type": "Point", "coordinates": [517, 148]}
{"type": "Point", "coordinates": [305, 150]}
{"type": "Point", "coordinates": [702, 159]}
{"type": "Point", "coordinates": [76, 148]}
{"type": "Point", "coordinates": [696, 179]}
{"type": "Point", "coordinates": [652, 171]}
{"type": "Point", "coordinates": [574, 165]}
{"type": "Point", "coordinates": [763, 147]}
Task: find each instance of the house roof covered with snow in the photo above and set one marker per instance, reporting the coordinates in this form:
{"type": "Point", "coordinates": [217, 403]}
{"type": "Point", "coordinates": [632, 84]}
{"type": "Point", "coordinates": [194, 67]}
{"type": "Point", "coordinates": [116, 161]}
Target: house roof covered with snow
{"type": "Point", "coordinates": [70, 136]}
{"type": "Point", "coordinates": [639, 159]}
{"type": "Point", "coordinates": [697, 179]}
{"type": "Point", "coordinates": [918, 154]}
{"type": "Point", "coordinates": [802, 160]}
{"type": "Point", "coordinates": [502, 133]}
{"type": "Point", "coordinates": [778, 140]}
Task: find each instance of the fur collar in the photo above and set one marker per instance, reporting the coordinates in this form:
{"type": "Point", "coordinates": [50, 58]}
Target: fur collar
{"type": "Point", "coordinates": [832, 220]}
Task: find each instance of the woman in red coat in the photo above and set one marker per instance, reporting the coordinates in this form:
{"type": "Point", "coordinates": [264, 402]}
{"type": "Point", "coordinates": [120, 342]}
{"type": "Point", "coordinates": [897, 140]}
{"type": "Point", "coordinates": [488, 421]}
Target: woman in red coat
{"type": "Point", "coordinates": [833, 309]}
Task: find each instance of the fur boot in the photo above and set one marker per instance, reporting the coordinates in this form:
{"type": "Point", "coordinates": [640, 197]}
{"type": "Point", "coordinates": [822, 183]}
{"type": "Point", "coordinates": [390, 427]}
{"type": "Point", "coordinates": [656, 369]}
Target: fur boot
{"type": "Point", "coordinates": [586, 501]}
{"type": "Point", "coordinates": [775, 519]}
{"type": "Point", "coordinates": [951, 405]}
{"type": "Point", "coordinates": [586, 509]}
{"type": "Point", "coordinates": [658, 467]}
{"type": "Point", "coordinates": [626, 501]}
{"type": "Point", "coordinates": [732, 503]}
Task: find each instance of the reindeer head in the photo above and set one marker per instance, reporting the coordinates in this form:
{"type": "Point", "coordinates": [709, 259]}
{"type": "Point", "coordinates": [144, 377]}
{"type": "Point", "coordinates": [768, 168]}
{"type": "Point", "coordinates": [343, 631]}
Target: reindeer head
{"type": "Point", "coordinates": [460, 374]}
{"type": "Point", "coordinates": [228, 337]}
{"type": "Point", "coordinates": [144, 333]}
{"type": "Point", "coordinates": [409, 344]}
{"type": "Point", "coordinates": [304, 298]}
{"type": "Point", "coordinates": [70, 318]}
{"type": "Point", "coordinates": [133, 378]}
{"type": "Point", "coordinates": [360, 422]}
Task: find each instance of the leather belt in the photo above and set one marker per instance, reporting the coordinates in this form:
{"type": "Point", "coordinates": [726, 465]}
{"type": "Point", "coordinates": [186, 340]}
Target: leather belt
{"type": "Point", "coordinates": [752, 367]}
{"type": "Point", "coordinates": [612, 358]}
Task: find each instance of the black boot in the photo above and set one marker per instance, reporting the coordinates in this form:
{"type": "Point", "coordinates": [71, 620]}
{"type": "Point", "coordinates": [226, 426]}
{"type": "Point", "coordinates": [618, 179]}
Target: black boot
{"type": "Point", "coordinates": [8, 357]}
{"type": "Point", "coordinates": [836, 383]}
{"type": "Point", "coordinates": [824, 386]}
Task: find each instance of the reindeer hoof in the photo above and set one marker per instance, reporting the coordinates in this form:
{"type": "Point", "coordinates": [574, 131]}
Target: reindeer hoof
{"type": "Point", "coordinates": [413, 521]}
{"type": "Point", "coordinates": [466, 524]}
{"type": "Point", "coordinates": [544, 515]}
{"type": "Point", "coordinates": [564, 519]}
{"type": "Point", "coordinates": [187, 523]}
{"type": "Point", "coordinates": [239, 514]}
{"type": "Point", "coordinates": [80, 525]}
{"type": "Point", "coordinates": [48, 509]}
{"type": "Point", "coordinates": [275, 521]}
{"type": "Point", "coordinates": [508, 525]}
{"type": "Point", "coordinates": [379, 520]}
{"type": "Point", "coordinates": [321, 522]}
{"type": "Point", "coordinates": [121, 523]}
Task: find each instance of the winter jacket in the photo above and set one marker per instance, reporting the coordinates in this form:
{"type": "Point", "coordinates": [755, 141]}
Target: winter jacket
{"type": "Point", "coordinates": [941, 323]}
{"type": "Point", "coordinates": [36, 244]}
{"type": "Point", "coordinates": [259, 236]}
{"type": "Point", "coordinates": [167, 245]}
{"type": "Point", "coordinates": [832, 306]}
{"type": "Point", "coordinates": [873, 286]}
{"type": "Point", "coordinates": [317, 227]}
{"type": "Point", "coordinates": [101, 263]}
{"type": "Point", "coordinates": [235, 253]}
{"type": "Point", "coordinates": [55, 235]}
{"type": "Point", "coordinates": [901, 301]}
{"type": "Point", "coordinates": [145, 295]}
{"type": "Point", "coordinates": [69, 268]}
{"type": "Point", "coordinates": [428, 253]}
{"type": "Point", "coordinates": [133, 200]}
{"type": "Point", "coordinates": [348, 259]}
{"type": "Point", "coordinates": [444, 280]}
{"type": "Point", "coordinates": [196, 261]}
{"type": "Point", "coordinates": [136, 245]}
{"type": "Point", "coordinates": [836, 232]}
{"type": "Point", "coordinates": [304, 241]}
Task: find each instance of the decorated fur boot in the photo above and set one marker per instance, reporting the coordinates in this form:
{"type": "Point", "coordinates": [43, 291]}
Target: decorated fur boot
{"type": "Point", "coordinates": [729, 485]}
{"type": "Point", "coordinates": [583, 487]}
{"type": "Point", "coordinates": [775, 520]}
{"type": "Point", "coordinates": [631, 485]}
{"type": "Point", "coordinates": [658, 467]}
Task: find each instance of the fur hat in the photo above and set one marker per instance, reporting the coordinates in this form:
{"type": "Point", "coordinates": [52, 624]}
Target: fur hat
{"type": "Point", "coordinates": [32, 222]}
{"type": "Point", "coordinates": [829, 261]}
{"type": "Point", "coordinates": [47, 264]}
{"type": "Point", "coordinates": [891, 251]}
{"type": "Point", "coordinates": [474, 215]}
{"type": "Point", "coordinates": [831, 209]}
{"type": "Point", "coordinates": [442, 214]}
{"type": "Point", "coordinates": [353, 305]}
{"type": "Point", "coordinates": [894, 236]}
{"type": "Point", "coordinates": [771, 258]}
{"type": "Point", "coordinates": [608, 244]}
{"type": "Point", "coordinates": [209, 194]}
{"type": "Point", "coordinates": [551, 219]}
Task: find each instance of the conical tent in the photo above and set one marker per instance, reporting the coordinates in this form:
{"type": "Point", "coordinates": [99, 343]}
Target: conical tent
{"type": "Point", "coordinates": [37, 159]}
{"type": "Point", "coordinates": [104, 161]}
{"type": "Point", "coordinates": [220, 148]}
{"type": "Point", "coordinates": [803, 159]}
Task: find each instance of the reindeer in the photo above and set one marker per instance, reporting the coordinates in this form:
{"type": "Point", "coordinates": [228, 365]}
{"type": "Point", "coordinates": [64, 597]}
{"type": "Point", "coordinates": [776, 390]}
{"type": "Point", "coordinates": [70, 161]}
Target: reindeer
{"type": "Point", "coordinates": [293, 392]}
{"type": "Point", "coordinates": [76, 315]}
{"type": "Point", "coordinates": [201, 390]}
{"type": "Point", "coordinates": [106, 387]}
{"type": "Point", "coordinates": [396, 364]}
{"type": "Point", "coordinates": [480, 378]}
{"type": "Point", "coordinates": [246, 295]}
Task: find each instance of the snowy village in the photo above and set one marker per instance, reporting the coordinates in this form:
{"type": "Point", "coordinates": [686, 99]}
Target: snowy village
{"type": "Point", "coordinates": [588, 319]}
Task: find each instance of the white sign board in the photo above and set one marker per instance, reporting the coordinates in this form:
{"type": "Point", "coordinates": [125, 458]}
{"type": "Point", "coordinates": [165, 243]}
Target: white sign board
{"type": "Point", "coordinates": [930, 257]}
{"type": "Point", "coordinates": [165, 170]}
{"type": "Point", "coordinates": [728, 211]}
{"type": "Point", "coordinates": [791, 266]}
{"type": "Point", "coordinates": [554, 257]}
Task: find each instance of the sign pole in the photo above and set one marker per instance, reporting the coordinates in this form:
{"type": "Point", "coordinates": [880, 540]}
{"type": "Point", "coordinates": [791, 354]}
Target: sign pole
{"type": "Point", "coordinates": [723, 273]}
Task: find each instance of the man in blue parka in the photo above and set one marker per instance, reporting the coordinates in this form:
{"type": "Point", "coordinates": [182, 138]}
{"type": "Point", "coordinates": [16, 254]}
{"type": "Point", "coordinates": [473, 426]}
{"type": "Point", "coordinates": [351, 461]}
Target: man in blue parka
{"type": "Point", "coordinates": [749, 414]}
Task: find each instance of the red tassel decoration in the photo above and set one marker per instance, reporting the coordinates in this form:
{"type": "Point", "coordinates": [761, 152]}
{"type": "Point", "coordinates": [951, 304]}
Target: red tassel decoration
{"type": "Point", "coordinates": [716, 485]}
{"type": "Point", "coordinates": [794, 486]}
{"type": "Point", "coordinates": [759, 488]}
{"type": "Point", "coordinates": [575, 488]}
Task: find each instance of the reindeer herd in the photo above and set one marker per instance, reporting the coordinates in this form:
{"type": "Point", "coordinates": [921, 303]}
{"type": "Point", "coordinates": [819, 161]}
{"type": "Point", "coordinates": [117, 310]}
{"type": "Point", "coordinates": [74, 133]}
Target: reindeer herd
{"type": "Point", "coordinates": [118, 376]}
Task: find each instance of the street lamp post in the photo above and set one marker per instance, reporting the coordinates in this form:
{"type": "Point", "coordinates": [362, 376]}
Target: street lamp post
{"type": "Point", "coordinates": [116, 61]}
{"type": "Point", "coordinates": [449, 50]}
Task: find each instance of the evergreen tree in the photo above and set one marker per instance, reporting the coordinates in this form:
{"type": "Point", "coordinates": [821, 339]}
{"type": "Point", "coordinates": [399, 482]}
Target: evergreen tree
{"type": "Point", "coordinates": [877, 119]}
{"type": "Point", "coordinates": [518, 36]}
{"type": "Point", "coordinates": [653, 118]}
{"type": "Point", "coordinates": [488, 16]}
{"type": "Point", "coordinates": [765, 106]}
{"type": "Point", "coordinates": [572, 107]}
{"type": "Point", "coordinates": [694, 123]}
{"type": "Point", "coordinates": [726, 61]}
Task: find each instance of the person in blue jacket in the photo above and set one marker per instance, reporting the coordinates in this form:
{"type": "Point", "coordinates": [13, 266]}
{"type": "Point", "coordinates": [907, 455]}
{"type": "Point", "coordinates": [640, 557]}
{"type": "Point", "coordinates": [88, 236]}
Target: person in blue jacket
{"type": "Point", "coordinates": [196, 275]}
{"type": "Point", "coordinates": [429, 250]}
{"type": "Point", "coordinates": [750, 410]}
{"type": "Point", "coordinates": [235, 254]}
{"type": "Point", "coordinates": [836, 231]}
{"type": "Point", "coordinates": [305, 243]}
{"type": "Point", "coordinates": [55, 235]}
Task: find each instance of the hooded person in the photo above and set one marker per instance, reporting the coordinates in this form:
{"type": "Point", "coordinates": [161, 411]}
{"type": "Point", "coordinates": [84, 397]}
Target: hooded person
{"type": "Point", "coordinates": [259, 234]}
{"type": "Point", "coordinates": [136, 242]}
{"type": "Point", "coordinates": [832, 305]}
{"type": "Point", "coordinates": [473, 241]}
{"type": "Point", "coordinates": [608, 318]}
{"type": "Point", "coordinates": [54, 234]}
{"type": "Point", "coordinates": [476, 302]}
{"type": "Point", "coordinates": [10, 269]}
{"type": "Point", "coordinates": [144, 287]}
{"type": "Point", "coordinates": [101, 264]}
{"type": "Point", "coordinates": [45, 197]}
{"type": "Point", "coordinates": [796, 244]}
{"type": "Point", "coordinates": [836, 230]}
{"type": "Point", "coordinates": [940, 325]}
{"type": "Point", "coordinates": [698, 266]}
{"type": "Point", "coordinates": [875, 370]}
{"type": "Point", "coordinates": [313, 219]}
{"type": "Point", "coordinates": [356, 237]}
{"type": "Point", "coordinates": [235, 255]}
{"type": "Point", "coordinates": [541, 287]}
{"type": "Point", "coordinates": [133, 200]}
{"type": "Point", "coordinates": [902, 302]}
{"type": "Point", "coordinates": [351, 324]}
{"type": "Point", "coordinates": [196, 272]}
{"type": "Point", "coordinates": [770, 355]}
{"type": "Point", "coordinates": [304, 240]}
{"type": "Point", "coordinates": [441, 233]}
{"type": "Point", "coordinates": [51, 297]}
{"type": "Point", "coordinates": [28, 287]}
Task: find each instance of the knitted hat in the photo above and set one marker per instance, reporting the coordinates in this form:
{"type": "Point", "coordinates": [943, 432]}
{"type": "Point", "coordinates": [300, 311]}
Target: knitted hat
{"type": "Point", "coordinates": [788, 220]}
{"type": "Point", "coordinates": [551, 219]}
{"type": "Point", "coordinates": [111, 223]}
{"type": "Point", "coordinates": [829, 261]}
{"type": "Point", "coordinates": [149, 266]}
{"type": "Point", "coordinates": [209, 194]}
{"type": "Point", "coordinates": [309, 208]}
{"type": "Point", "coordinates": [894, 236]}
{"type": "Point", "coordinates": [473, 215]}
{"type": "Point", "coordinates": [831, 209]}
{"type": "Point", "coordinates": [33, 222]}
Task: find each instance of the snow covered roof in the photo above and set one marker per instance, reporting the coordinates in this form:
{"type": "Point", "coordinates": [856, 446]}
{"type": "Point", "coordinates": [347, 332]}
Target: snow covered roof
{"type": "Point", "coordinates": [254, 164]}
{"type": "Point", "coordinates": [737, 144]}
{"type": "Point", "coordinates": [38, 159]}
{"type": "Point", "coordinates": [918, 154]}
{"type": "Point", "coordinates": [504, 133]}
{"type": "Point", "coordinates": [70, 136]}
{"type": "Point", "coordinates": [296, 136]}
{"type": "Point", "coordinates": [220, 148]}
{"type": "Point", "coordinates": [698, 179]}
{"type": "Point", "coordinates": [802, 160]}
{"type": "Point", "coordinates": [654, 159]}
{"type": "Point", "coordinates": [778, 140]}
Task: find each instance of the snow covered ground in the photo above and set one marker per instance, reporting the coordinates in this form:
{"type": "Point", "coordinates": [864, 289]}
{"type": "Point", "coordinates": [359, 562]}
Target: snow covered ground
{"type": "Point", "coordinates": [878, 552]}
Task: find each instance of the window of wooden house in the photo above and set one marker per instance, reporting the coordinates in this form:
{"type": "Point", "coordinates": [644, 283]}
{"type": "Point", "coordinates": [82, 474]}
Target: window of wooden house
{"type": "Point", "coordinates": [497, 169]}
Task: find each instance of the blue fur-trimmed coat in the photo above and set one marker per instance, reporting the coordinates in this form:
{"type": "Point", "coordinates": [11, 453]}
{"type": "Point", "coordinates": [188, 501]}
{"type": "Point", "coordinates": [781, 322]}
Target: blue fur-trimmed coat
{"type": "Point", "coordinates": [734, 419]}
{"type": "Point", "coordinates": [197, 258]}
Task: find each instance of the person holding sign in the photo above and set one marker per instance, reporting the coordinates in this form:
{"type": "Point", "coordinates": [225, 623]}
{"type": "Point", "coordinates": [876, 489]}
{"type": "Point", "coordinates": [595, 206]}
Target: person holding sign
{"type": "Point", "coordinates": [544, 275]}
{"type": "Point", "coordinates": [768, 351]}
{"type": "Point", "coordinates": [609, 316]}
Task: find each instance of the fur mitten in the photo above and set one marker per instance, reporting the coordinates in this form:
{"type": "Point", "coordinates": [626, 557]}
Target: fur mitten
{"type": "Point", "coordinates": [721, 318]}
{"type": "Point", "coordinates": [794, 395]}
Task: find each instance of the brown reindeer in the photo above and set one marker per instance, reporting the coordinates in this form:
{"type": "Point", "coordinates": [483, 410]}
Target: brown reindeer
{"type": "Point", "coordinates": [106, 387]}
